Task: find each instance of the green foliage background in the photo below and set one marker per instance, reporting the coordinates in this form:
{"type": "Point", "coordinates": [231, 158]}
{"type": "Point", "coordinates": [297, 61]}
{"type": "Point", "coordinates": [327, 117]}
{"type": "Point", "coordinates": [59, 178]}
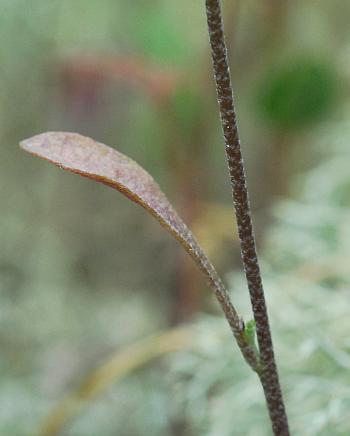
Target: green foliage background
{"type": "Point", "coordinates": [83, 273]}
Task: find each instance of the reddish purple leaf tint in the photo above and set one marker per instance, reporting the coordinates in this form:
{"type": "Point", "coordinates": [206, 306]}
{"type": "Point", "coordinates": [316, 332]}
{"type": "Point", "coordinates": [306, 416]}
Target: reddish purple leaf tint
{"type": "Point", "coordinates": [84, 156]}
{"type": "Point", "coordinates": [81, 155]}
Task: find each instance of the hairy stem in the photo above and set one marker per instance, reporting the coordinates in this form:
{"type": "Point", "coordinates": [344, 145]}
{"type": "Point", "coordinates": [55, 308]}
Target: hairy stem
{"type": "Point", "coordinates": [268, 374]}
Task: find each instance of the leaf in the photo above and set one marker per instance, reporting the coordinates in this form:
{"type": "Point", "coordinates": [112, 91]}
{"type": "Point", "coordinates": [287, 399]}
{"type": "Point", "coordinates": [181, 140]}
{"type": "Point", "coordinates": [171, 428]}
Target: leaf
{"type": "Point", "coordinates": [81, 155]}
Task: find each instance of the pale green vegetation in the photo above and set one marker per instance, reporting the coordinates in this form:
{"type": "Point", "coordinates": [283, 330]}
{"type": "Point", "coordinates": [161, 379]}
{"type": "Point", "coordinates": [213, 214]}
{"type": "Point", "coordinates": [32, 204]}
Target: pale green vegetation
{"type": "Point", "coordinates": [77, 266]}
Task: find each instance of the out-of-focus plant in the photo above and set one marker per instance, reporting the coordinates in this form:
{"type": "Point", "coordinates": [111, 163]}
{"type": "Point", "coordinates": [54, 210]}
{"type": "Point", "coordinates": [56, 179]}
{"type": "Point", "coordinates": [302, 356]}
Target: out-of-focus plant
{"type": "Point", "coordinates": [293, 96]}
{"type": "Point", "coordinates": [117, 367]}
{"type": "Point", "coordinates": [96, 161]}
{"type": "Point", "coordinates": [297, 94]}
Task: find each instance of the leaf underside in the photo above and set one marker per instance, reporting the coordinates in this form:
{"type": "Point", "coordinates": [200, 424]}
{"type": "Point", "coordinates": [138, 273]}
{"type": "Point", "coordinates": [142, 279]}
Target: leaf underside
{"type": "Point", "coordinates": [96, 161]}
{"type": "Point", "coordinates": [81, 155]}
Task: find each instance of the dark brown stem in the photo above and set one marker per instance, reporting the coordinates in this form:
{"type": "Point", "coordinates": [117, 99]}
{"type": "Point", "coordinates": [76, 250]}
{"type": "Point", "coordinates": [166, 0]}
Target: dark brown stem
{"type": "Point", "coordinates": [268, 374]}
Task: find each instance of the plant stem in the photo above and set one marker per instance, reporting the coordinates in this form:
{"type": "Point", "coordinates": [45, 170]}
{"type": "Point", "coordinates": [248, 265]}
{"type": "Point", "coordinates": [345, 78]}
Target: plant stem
{"type": "Point", "coordinates": [268, 374]}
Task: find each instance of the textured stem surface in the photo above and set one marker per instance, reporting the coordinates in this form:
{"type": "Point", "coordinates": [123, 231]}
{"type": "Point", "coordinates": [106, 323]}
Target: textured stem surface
{"type": "Point", "coordinates": [268, 374]}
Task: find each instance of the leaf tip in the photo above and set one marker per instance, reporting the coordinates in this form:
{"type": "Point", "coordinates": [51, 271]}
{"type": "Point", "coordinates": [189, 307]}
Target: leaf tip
{"type": "Point", "coordinates": [36, 142]}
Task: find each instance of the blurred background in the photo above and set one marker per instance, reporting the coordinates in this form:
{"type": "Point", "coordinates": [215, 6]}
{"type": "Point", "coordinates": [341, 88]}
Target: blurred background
{"type": "Point", "coordinates": [88, 280]}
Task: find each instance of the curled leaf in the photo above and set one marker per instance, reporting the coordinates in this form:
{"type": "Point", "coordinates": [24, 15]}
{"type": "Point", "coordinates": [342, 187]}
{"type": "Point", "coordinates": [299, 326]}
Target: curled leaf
{"type": "Point", "coordinates": [91, 159]}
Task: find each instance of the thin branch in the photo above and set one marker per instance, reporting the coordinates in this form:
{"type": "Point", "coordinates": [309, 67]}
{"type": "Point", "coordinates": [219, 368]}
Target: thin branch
{"type": "Point", "coordinates": [268, 374]}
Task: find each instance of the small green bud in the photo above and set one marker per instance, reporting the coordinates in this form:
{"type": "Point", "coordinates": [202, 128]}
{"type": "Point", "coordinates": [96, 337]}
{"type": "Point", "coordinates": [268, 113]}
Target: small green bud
{"type": "Point", "coordinates": [249, 334]}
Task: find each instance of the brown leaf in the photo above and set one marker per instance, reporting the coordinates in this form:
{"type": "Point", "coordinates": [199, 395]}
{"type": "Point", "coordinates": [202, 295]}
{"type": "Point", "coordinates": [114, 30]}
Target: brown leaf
{"type": "Point", "coordinates": [84, 156]}
{"type": "Point", "coordinates": [158, 81]}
